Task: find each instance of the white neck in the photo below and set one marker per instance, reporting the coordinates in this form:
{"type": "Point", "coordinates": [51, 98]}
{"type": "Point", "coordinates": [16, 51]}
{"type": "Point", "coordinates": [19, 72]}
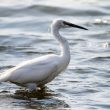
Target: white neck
{"type": "Point", "coordinates": [65, 51]}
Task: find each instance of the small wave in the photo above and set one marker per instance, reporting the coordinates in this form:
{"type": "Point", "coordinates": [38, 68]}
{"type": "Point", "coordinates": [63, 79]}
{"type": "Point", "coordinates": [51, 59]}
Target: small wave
{"type": "Point", "coordinates": [100, 35]}
{"type": "Point", "coordinates": [100, 59]}
{"type": "Point", "coordinates": [6, 67]}
{"type": "Point", "coordinates": [36, 10]}
{"type": "Point", "coordinates": [101, 21]}
{"type": "Point", "coordinates": [65, 11]}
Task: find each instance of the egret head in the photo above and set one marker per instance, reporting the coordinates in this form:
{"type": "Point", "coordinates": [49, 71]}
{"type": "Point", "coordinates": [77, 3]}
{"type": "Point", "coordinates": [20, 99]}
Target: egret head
{"type": "Point", "coordinates": [58, 24]}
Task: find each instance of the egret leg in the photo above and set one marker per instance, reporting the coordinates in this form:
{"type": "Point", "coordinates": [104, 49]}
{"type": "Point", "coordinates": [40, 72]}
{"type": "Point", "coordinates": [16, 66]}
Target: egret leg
{"type": "Point", "coordinates": [31, 87]}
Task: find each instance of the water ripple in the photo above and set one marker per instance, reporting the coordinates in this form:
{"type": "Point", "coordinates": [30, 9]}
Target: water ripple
{"type": "Point", "coordinates": [53, 10]}
{"type": "Point", "coordinates": [24, 35]}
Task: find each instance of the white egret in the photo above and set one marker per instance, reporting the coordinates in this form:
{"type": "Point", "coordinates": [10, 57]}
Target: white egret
{"type": "Point", "coordinates": [39, 71]}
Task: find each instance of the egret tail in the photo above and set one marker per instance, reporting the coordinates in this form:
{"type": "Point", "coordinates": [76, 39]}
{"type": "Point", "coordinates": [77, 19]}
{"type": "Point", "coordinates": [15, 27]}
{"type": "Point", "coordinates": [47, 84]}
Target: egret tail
{"type": "Point", "coordinates": [3, 77]}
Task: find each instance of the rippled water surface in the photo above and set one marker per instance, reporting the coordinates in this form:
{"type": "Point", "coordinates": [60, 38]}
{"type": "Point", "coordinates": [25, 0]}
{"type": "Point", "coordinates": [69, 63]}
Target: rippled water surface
{"type": "Point", "coordinates": [25, 34]}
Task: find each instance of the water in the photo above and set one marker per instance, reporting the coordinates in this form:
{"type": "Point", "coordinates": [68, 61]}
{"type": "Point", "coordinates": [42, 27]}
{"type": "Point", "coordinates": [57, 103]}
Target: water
{"type": "Point", "coordinates": [25, 34]}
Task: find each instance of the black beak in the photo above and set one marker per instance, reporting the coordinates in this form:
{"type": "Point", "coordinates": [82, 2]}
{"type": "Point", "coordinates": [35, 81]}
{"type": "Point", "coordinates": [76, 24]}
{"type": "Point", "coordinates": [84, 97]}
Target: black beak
{"type": "Point", "coordinates": [74, 25]}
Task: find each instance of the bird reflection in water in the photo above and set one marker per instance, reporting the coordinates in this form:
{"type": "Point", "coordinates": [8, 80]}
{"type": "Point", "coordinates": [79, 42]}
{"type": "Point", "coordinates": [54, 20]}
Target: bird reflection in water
{"type": "Point", "coordinates": [39, 94]}
{"type": "Point", "coordinates": [41, 99]}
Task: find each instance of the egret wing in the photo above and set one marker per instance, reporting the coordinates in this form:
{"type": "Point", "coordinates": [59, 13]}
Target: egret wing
{"type": "Point", "coordinates": [34, 71]}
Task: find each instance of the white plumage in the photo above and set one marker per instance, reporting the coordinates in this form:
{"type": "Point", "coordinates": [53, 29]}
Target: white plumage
{"type": "Point", "coordinates": [39, 71]}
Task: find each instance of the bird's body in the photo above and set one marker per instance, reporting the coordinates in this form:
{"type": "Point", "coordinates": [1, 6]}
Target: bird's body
{"type": "Point", "coordinates": [41, 70]}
